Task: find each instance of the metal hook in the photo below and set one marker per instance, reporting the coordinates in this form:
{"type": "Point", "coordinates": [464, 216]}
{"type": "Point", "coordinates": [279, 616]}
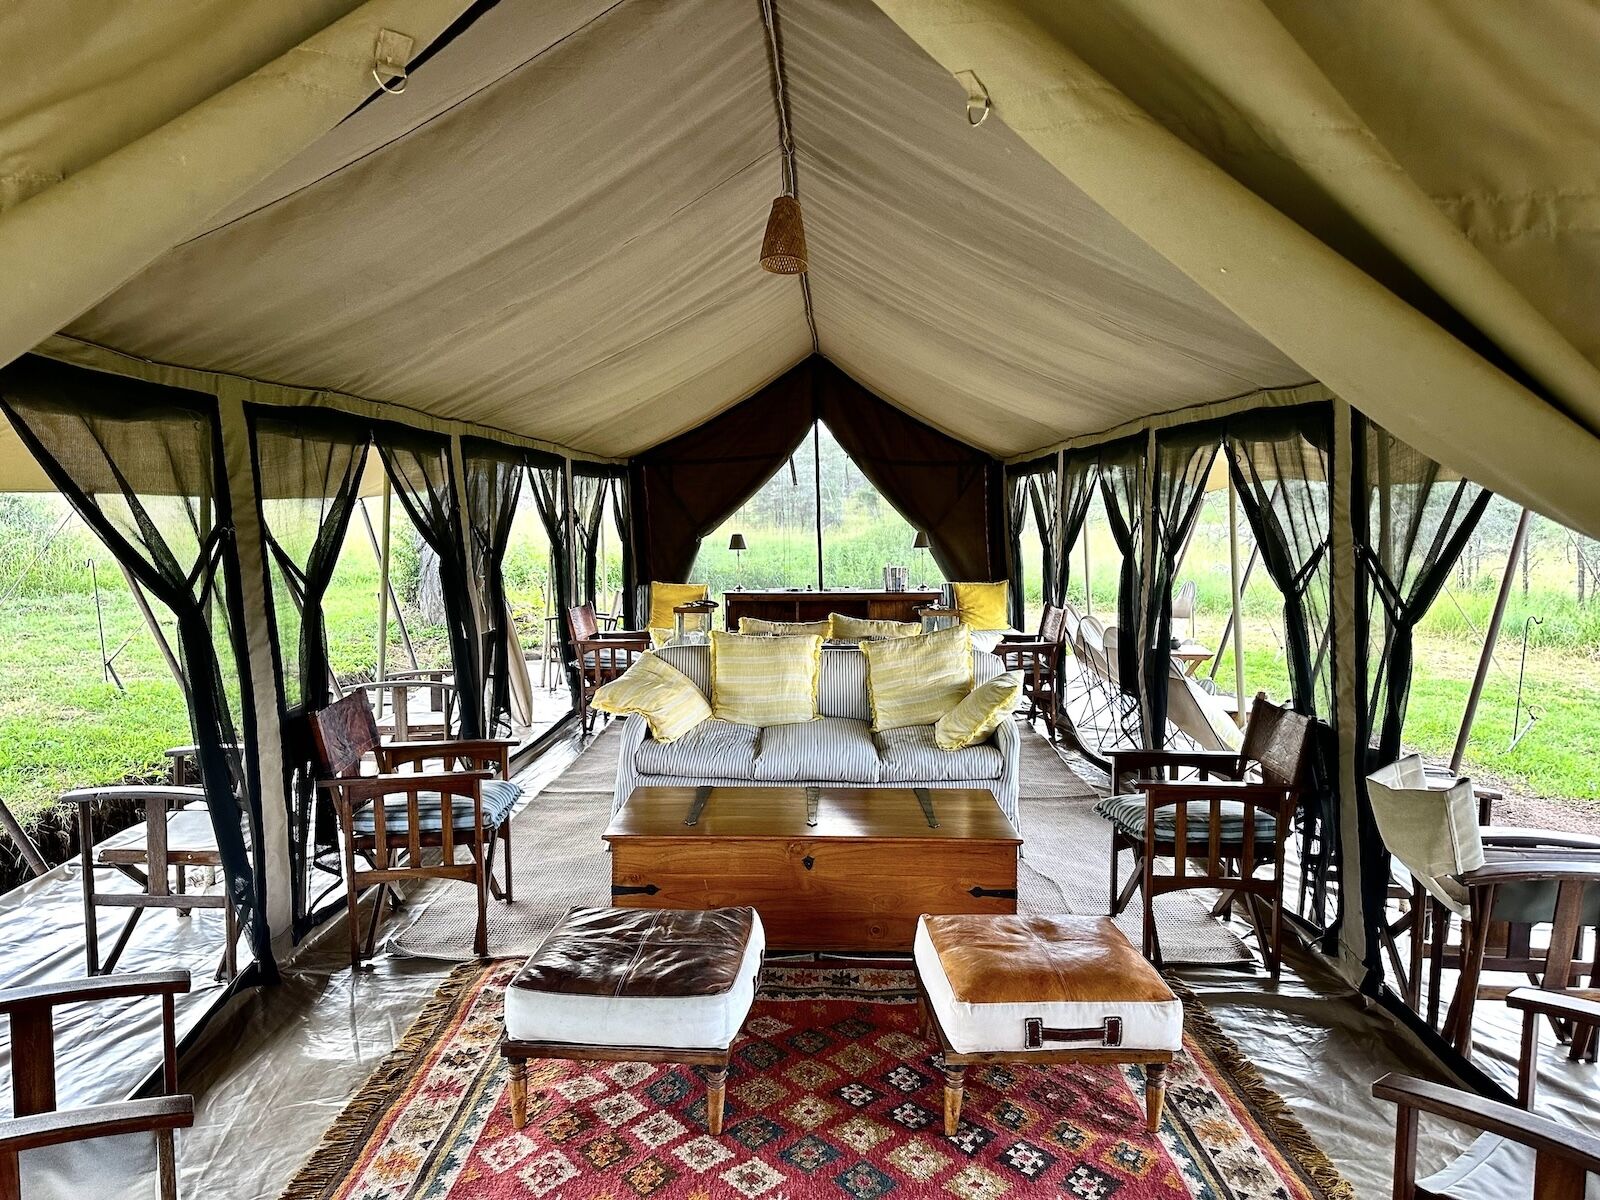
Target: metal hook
{"type": "Point", "coordinates": [389, 58]}
{"type": "Point", "coordinates": [977, 99]}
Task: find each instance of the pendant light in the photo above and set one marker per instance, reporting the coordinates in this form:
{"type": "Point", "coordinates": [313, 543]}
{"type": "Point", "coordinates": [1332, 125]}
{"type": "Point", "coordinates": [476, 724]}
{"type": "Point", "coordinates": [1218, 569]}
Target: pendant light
{"type": "Point", "coordinates": [783, 248]}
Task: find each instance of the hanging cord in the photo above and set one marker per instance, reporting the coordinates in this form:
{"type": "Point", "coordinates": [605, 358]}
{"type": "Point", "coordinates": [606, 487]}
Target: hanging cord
{"type": "Point", "coordinates": [791, 179]}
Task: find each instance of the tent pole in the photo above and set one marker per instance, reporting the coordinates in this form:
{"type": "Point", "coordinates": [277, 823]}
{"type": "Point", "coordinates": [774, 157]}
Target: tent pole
{"type": "Point", "coordinates": [399, 616]}
{"type": "Point", "coordinates": [143, 604]}
{"type": "Point", "coordinates": [1237, 590]}
{"type": "Point", "coordinates": [1490, 636]}
{"type": "Point", "coordinates": [1227, 628]}
{"type": "Point", "coordinates": [816, 478]}
{"type": "Point", "coordinates": [1088, 581]}
{"type": "Point", "coordinates": [383, 595]}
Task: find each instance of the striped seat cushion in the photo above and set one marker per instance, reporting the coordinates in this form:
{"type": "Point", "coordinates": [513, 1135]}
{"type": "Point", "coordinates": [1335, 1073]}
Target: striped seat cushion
{"type": "Point", "coordinates": [909, 755]}
{"type": "Point", "coordinates": [834, 748]}
{"type": "Point", "coordinates": [499, 797]}
{"type": "Point", "coordinates": [1127, 814]}
{"type": "Point", "coordinates": [713, 749]}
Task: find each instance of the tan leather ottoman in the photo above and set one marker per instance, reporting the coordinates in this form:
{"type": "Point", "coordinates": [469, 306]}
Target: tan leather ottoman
{"type": "Point", "coordinates": [605, 978]}
{"type": "Point", "coordinates": [1043, 990]}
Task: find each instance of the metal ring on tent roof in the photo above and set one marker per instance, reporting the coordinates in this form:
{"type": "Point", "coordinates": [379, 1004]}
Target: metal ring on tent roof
{"type": "Point", "coordinates": [401, 79]}
{"type": "Point", "coordinates": [977, 98]}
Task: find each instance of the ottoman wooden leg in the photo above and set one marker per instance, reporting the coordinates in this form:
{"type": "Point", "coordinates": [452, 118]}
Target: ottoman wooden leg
{"type": "Point", "coordinates": [954, 1088]}
{"type": "Point", "coordinates": [716, 1097]}
{"type": "Point", "coordinates": [1155, 1094]}
{"type": "Point", "coordinates": [519, 1093]}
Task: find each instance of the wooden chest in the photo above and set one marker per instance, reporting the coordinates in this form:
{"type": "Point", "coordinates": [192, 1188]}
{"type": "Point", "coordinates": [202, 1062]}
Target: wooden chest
{"type": "Point", "coordinates": [827, 868]}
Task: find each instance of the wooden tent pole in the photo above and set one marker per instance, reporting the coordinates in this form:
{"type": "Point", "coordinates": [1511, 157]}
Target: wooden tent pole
{"type": "Point", "coordinates": [1490, 636]}
{"type": "Point", "coordinates": [399, 616]}
{"type": "Point", "coordinates": [383, 593]}
{"type": "Point", "coordinates": [1237, 591]}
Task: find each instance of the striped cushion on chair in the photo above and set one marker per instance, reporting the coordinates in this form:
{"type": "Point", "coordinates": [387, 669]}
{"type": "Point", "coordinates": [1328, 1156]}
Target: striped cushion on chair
{"type": "Point", "coordinates": [1127, 814]}
{"type": "Point", "coordinates": [499, 797]}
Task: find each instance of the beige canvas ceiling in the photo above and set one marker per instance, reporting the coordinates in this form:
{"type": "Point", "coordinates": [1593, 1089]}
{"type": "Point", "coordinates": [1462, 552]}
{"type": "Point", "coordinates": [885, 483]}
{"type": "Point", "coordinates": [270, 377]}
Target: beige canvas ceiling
{"type": "Point", "coordinates": [552, 232]}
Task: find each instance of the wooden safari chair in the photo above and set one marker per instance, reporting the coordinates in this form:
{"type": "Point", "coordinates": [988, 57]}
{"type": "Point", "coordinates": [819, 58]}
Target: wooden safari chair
{"type": "Point", "coordinates": [1518, 1153]}
{"type": "Point", "coordinates": [1220, 826]}
{"type": "Point", "coordinates": [157, 854]}
{"type": "Point", "coordinates": [599, 656]}
{"type": "Point", "coordinates": [390, 820]}
{"type": "Point", "coordinates": [1038, 658]}
{"type": "Point", "coordinates": [46, 1151]}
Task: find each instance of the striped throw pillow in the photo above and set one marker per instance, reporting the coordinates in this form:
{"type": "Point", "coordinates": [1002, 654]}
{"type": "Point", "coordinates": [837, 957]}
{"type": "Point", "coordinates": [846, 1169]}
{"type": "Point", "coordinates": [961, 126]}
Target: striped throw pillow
{"type": "Point", "coordinates": [822, 629]}
{"type": "Point", "coordinates": [915, 681]}
{"type": "Point", "coordinates": [758, 680]}
{"type": "Point", "coordinates": [858, 629]}
{"type": "Point", "coordinates": [976, 717]}
{"type": "Point", "coordinates": [663, 695]}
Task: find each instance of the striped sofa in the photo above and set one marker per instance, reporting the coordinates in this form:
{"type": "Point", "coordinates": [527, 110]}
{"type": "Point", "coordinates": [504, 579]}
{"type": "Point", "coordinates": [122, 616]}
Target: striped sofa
{"type": "Point", "coordinates": [838, 750]}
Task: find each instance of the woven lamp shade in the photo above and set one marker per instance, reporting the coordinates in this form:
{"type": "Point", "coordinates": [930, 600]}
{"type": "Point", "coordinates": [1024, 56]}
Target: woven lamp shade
{"type": "Point", "coordinates": [783, 249]}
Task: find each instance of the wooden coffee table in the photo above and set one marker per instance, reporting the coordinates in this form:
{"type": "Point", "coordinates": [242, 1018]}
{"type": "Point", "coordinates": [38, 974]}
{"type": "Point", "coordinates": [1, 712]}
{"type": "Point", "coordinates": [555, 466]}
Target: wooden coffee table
{"type": "Point", "coordinates": [827, 868]}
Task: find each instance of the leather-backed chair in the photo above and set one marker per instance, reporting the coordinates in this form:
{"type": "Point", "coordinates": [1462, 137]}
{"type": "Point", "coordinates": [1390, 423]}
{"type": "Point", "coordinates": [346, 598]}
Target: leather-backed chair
{"type": "Point", "coordinates": [1038, 658]}
{"type": "Point", "coordinates": [387, 820]}
{"type": "Point", "coordinates": [599, 656]}
{"type": "Point", "coordinates": [1220, 826]}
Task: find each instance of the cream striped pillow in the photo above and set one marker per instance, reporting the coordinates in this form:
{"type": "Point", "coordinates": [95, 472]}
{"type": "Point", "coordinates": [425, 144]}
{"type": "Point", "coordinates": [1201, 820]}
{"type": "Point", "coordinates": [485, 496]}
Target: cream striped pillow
{"type": "Point", "coordinates": [762, 681]}
{"type": "Point", "coordinates": [856, 629]}
{"type": "Point", "coordinates": [823, 628]}
{"type": "Point", "coordinates": [659, 692]}
{"type": "Point", "coordinates": [917, 680]}
{"type": "Point", "coordinates": [979, 714]}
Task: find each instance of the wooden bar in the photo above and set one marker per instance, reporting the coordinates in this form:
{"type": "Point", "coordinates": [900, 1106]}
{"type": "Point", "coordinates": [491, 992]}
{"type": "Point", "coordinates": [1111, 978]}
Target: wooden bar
{"type": "Point", "coordinates": [812, 605]}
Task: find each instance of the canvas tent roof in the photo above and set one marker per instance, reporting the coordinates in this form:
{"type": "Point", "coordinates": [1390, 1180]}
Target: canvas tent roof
{"type": "Point", "coordinates": [552, 231]}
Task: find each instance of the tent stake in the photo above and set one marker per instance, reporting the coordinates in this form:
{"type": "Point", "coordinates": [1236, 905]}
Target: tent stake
{"type": "Point", "coordinates": [1490, 636]}
{"type": "Point", "coordinates": [1237, 590]}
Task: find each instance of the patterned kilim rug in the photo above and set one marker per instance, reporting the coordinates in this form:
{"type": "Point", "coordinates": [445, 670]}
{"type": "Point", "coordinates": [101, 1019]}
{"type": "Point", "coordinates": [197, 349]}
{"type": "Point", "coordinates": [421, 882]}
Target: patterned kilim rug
{"type": "Point", "coordinates": [831, 1094]}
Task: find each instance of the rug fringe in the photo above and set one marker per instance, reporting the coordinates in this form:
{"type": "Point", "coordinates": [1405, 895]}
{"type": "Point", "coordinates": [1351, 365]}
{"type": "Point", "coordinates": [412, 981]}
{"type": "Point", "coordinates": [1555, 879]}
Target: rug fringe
{"type": "Point", "coordinates": [329, 1163]}
{"type": "Point", "coordinates": [1286, 1127]}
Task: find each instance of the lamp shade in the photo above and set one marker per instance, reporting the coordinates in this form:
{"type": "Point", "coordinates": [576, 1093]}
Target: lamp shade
{"type": "Point", "coordinates": [736, 542]}
{"type": "Point", "coordinates": [783, 249]}
{"type": "Point", "coordinates": [922, 540]}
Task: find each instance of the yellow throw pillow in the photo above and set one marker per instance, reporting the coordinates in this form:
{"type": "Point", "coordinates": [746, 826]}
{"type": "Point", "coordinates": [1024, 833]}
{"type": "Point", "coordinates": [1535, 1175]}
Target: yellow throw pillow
{"type": "Point", "coordinates": [822, 629]}
{"type": "Point", "coordinates": [757, 680]}
{"type": "Point", "coordinates": [660, 693]}
{"type": "Point", "coordinates": [976, 717]}
{"type": "Point", "coordinates": [915, 681]}
{"type": "Point", "coordinates": [856, 629]}
{"type": "Point", "coordinates": [983, 605]}
{"type": "Point", "coordinates": [664, 597]}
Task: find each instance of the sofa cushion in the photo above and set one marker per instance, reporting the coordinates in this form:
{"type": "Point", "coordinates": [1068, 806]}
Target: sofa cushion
{"type": "Point", "coordinates": [713, 749]}
{"type": "Point", "coordinates": [664, 597]}
{"type": "Point", "coordinates": [821, 629]}
{"type": "Point", "coordinates": [842, 687]}
{"type": "Point", "coordinates": [660, 693]}
{"type": "Point", "coordinates": [975, 718]}
{"type": "Point", "coordinates": [916, 680]}
{"type": "Point", "coordinates": [764, 681]}
{"type": "Point", "coordinates": [694, 660]}
{"type": "Point", "coordinates": [982, 605]}
{"type": "Point", "coordinates": [909, 755]}
{"type": "Point", "coordinates": [836, 749]}
{"type": "Point", "coordinates": [856, 629]}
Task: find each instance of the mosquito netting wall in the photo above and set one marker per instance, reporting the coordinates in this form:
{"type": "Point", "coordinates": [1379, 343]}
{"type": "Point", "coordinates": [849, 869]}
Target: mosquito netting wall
{"type": "Point", "coordinates": [143, 465]}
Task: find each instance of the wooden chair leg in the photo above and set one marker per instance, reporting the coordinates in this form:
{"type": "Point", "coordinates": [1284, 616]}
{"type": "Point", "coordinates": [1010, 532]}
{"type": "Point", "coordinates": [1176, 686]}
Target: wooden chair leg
{"type": "Point", "coordinates": [518, 1090]}
{"type": "Point", "coordinates": [954, 1089]}
{"type": "Point", "coordinates": [480, 936]}
{"type": "Point", "coordinates": [1116, 848]}
{"type": "Point", "coordinates": [716, 1098]}
{"type": "Point", "coordinates": [505, 854]}
{"type": "Point", "coordinates": [1155, 1095]}
{"type": "Point", "coordinates": [91, 926]}
{"type": "Point", "coordinates": [10, 1176]}
{"type": "Point", "coordinates": [167, 1164]}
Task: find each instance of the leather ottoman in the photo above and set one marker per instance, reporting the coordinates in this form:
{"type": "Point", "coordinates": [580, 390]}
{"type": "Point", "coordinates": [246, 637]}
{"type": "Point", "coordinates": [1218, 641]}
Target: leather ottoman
{"type": "Point", "coordinates": [1043, 990]}
{"type": "Point", "coordinates": [604, 978]}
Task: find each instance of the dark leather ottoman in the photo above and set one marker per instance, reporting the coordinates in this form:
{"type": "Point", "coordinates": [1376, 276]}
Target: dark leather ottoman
{"type": "Point", "coordinates": [603, 976]}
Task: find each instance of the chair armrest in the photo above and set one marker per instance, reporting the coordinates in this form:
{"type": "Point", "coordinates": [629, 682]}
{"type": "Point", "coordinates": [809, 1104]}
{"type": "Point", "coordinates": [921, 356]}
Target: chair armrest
{"type": "Point", "coordinates": [1124, 762]}
{"type": "Point", "coordinates": [401, 780]}
{"type": "Point", "coordinates": [1540, 1133]}
{"type": "Point", "coordinates": [93, 795]}
{"type": "Point", "coordinates": [457, 746]}
{"type": "Point", "coordinates": [96, 1121]}
{"type": "Point", "coordinates": [94, 988]}
{"type": "Point", "coordinates": [622, 635]}
{"type": "Point", "coordinates": [1516, 836]}
{"type": "Point", "coordinates": [1228, 789]}
{"type": "Point", "coordinates": [1533, 870]}
{"type": "Point", "coordinates": [424, 673]}
{"type": "Point", "coordinates": [1563, 1006]}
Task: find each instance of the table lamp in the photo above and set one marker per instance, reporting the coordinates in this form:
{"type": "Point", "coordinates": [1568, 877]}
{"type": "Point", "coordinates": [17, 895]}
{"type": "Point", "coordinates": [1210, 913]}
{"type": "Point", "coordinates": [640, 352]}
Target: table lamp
{"type": "Point", "coordinates": [736, 544]}
{"type": "Point", "coordinates": [922, 544]}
